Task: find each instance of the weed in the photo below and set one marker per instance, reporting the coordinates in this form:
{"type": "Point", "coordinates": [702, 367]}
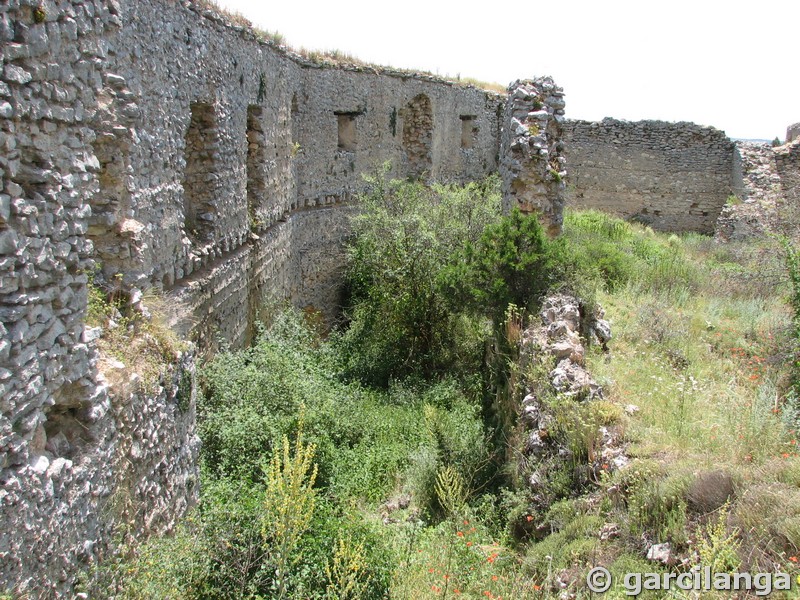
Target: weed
{"type": "Point", "coordinates": [289, 504]}
{"type": "Point", "coordinates": [718, 547]}
{"type": "Point", "coordinates": [347, 573]}
{"type": "Point", "coordinates": [733, 200]}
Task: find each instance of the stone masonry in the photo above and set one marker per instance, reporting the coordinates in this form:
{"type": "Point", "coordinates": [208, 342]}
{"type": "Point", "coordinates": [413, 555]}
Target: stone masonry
{"type": "Point", "coordinates": [672, 176]}
{"type": "Point", "coordinates": [792, 132]}
{"type": "Point", "coordinates": [155, 145]}
{"type": "Point", "coordinates": [532, 164]}
{"type": "Point", "coordinates": [767, 197]}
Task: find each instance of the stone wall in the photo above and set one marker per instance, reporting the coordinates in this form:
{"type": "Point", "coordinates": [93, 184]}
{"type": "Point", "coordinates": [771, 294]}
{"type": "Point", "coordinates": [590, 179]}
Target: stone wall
{"type": "Point", "coordinates": [532, 165]}
{"type": "Point", "coordinates": [792, 132]}
{"type": "Point", "coordinates": [154, 144]}
{"type": "Point", "coordinates": [672, 176]}
{"type": "Point", "coordinates": [787, 164]}
{"type": "Point", "coordinates": [767, 197]}
{"type": "Point", "coordinates": [223, 144]}
{"type": "Point", "coordinates": [56, 427]}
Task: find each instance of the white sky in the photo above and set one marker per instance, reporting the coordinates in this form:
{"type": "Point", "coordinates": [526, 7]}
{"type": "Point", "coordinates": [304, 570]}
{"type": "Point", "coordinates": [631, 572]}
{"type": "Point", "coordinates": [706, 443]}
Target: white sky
{"type": "Point", "coordinates": [727, 64]}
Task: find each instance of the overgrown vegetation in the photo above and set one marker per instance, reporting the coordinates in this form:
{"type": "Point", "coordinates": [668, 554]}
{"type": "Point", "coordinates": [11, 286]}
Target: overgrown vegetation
{"type": "Point", "coordinates": [140, 339]}
{"type": "Point", "coordinates": [381, 461]}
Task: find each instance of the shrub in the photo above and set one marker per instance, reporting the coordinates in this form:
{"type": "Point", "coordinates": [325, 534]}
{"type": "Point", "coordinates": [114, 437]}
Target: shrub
{"type": "Point", "coordinates": [513, 262]}
{"type": "Point", "coordinates": [216, 552]}
{"type": "Point", "coordinates": [403, 321]}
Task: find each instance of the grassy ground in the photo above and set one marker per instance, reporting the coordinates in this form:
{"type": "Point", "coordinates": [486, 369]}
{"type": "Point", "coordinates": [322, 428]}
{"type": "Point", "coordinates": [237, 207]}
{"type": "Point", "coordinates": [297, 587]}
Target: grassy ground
{"type": "Point", "coordinates": [698, 371]}
{"type": "Point", "coordinates": [702, 349]}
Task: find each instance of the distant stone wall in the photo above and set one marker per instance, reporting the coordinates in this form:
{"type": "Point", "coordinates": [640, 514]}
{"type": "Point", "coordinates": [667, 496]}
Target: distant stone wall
{"type": "Point", "coordinates": [672, 176]}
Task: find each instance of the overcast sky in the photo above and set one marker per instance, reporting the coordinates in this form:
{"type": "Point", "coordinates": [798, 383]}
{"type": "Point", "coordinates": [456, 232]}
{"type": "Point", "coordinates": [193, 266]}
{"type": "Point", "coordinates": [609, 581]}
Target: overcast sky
{"type": "Point", "coordinates": [731, 64]}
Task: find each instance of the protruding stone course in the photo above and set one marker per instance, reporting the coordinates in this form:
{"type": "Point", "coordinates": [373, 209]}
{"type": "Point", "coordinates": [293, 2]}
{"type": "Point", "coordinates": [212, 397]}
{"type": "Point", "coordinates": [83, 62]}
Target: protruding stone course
{"type": "Point", "coordinates": [671, 176]}
{"type": "Point", "coordinates": [532, 164]}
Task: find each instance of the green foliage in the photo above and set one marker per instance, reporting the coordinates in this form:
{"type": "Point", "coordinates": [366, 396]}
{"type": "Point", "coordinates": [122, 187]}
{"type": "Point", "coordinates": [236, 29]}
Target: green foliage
{"type": "Point", "coordinates": [333, 522]}
{"type": "Point", "coordinates": [513, 262]}
{"type": "Point", "coordinates": [573, 541]}
{"type": "Point", "coordinates": [289, 502]}
{"type": "Point", "coordinates": [717, 546]}
{"type": "Point", "coordinates": [142, 340]}
{"type": "Point", "coordinates": [220, 552]}
{"type": "Point", "coordinates": [733, 200]}
{"type": "Point", "coordinates": [455, 448]}
{"type": "Point", "coordinates": [792, 258]}
{"type": "Point", "coordinates": [426, 277]}
{"type": "Point", "coordinates": [403, 320]}
{"type": "Point", "coordinates": [216, 553]}
{"type": "Point", "coordinates": [577, 425]}
{"type": "Point", "coordinates": [607, 252]}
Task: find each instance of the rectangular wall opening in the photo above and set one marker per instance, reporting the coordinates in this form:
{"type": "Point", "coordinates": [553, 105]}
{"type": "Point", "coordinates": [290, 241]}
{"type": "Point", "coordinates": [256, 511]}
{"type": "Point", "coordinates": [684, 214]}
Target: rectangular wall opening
{"type": "Point", "coordinates": [200, 175]}
{"type": "Point", "coordinates": [347, 131]}
{"type": "Point", "coordinates": [256, 163]}
{"type": "Point", "coordinates": [469, 131]}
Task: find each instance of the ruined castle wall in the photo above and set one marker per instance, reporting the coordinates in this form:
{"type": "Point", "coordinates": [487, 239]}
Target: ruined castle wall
{"type": "Point", "coordinates": [223, 138]}
{"type": "Point", "coordinates": [389, 126]}
{"type": "Point", "coordinates": [532, 166]}
{"type": "Point", "coordinates": [770, 180]}
{"type": "Point", "coordinates": [787, 163]}
{"type": "Point", "coordinates": [673, 176]}
{"type": "Point", "coordinates": [792, 132]}
{"type": "Point", "coordinates": [48, 387]}
{"type": "Point", "coordinates": [152, 144]}
{"type": "Point", "coordinates": [63, 432]}
{"type": "Point", "coordinates": [187, 175]}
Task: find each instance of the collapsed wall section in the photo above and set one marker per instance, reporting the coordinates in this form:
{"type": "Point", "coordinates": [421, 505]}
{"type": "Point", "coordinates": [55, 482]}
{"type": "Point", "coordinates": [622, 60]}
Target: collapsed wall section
{"type": "Point", "coordinates": [787, 163]}
{"type": "Point", "coordinates": [672, 176]}
{"type": "Point", "coordinates": [757, 192]}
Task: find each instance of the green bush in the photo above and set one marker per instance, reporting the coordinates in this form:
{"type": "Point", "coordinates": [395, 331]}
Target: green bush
{"type": "Point", "coordinates": [403, 321]}
{"type": "Point", "coordinates": [513, 262]}
{"type": "Point", "coordinates": [216, 553]}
